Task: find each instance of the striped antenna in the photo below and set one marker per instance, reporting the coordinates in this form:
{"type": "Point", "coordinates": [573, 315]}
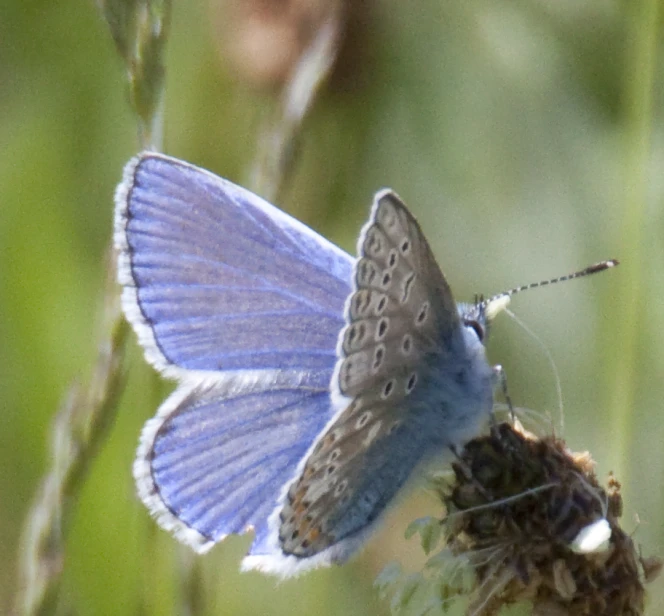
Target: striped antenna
{"type": "Point", "coordinates": [495, 304]}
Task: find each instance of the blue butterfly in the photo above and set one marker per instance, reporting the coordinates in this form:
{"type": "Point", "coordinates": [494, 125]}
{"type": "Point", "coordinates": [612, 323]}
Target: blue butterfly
{"type": "Point", "coordinates": [311, 384]}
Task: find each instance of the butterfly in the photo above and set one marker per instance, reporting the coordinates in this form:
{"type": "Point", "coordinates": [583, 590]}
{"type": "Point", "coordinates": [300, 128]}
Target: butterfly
{"type": "Point", "coordinates": [311, 384]}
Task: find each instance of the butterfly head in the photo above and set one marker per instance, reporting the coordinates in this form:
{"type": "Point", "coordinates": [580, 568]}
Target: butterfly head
{"type": "Point", "coordinates": [477, 317]}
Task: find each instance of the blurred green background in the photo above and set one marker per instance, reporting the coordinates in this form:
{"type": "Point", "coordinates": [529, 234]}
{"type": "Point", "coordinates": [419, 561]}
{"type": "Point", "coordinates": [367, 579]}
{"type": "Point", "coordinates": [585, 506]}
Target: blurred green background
{"type": "Point", "coordinates": [528, 138]}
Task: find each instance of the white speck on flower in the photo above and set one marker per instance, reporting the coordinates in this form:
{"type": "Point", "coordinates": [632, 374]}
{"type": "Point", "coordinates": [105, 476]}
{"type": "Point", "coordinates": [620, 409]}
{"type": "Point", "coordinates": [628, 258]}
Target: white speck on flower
{"type": "Point", "coordinates": [593, 538]}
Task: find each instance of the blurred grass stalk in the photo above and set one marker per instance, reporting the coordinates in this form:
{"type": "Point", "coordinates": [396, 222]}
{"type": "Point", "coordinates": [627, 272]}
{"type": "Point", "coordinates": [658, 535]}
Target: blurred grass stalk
{"type": "Point", "coordinates": [139, 29]}
{"type": "Point", "coordinates": [277, 145]}
{"type": "Point", "coordinates": [79, 430]}
{"type": "Point", "coordinates": [640, 73]}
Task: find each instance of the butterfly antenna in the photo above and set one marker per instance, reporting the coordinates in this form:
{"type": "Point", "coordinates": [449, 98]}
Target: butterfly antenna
{"type": "Point", "coordinates": [497, 303]}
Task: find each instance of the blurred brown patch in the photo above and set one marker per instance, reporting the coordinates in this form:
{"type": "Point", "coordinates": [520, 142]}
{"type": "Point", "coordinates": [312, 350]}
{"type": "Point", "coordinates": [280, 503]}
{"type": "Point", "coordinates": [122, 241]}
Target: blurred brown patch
{"type": "Point", "coordinates": [263, 40]}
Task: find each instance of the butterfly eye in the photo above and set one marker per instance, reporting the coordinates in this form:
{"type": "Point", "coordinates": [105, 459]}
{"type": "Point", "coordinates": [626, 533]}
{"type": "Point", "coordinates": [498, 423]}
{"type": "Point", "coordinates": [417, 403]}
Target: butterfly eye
{"type": "Point", "coordinates": [476, 327]}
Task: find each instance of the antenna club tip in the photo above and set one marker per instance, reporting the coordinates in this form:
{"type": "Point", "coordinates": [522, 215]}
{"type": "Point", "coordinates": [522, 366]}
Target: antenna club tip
{"type": "Point", "coordinates": [602, 265]}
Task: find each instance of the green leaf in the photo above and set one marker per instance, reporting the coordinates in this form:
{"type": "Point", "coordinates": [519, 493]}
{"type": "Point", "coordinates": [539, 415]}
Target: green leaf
{"type": "Point", "coordinates": [388, 578]}
{"type": "Point", "coordinates": [406, 592]}
{"type": "Point", "coordinates": [429, 529]}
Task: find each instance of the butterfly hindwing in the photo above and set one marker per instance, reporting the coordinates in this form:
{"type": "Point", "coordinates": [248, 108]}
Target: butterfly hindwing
{"type": "Point", "coordinates": [213, 460]}
{"type": "Point", "coordinates": [342, 488]}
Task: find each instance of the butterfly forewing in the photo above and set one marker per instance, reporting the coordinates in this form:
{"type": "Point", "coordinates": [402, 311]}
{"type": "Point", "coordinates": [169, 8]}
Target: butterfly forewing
{"type": "Point", "coordinates": [402, 306]}
{"type": "Point", "coordinates": [217, 279]}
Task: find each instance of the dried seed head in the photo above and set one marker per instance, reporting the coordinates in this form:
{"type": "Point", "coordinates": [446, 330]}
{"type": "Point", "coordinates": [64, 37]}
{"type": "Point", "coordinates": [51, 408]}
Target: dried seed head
{"type": "Point", "coordinates": [533, 522]}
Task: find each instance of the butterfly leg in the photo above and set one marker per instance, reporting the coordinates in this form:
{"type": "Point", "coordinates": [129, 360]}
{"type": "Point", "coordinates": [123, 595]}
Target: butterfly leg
{"type": "Point", "coordinates": [499, 378]}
